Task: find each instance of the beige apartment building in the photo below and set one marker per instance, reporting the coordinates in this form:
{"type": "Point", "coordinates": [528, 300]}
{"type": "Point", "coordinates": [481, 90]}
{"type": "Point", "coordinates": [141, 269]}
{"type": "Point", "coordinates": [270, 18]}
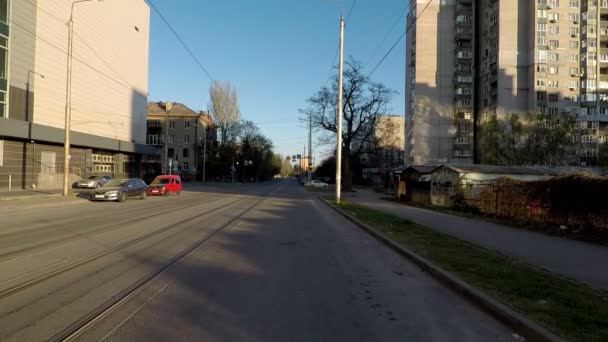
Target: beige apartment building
{"type": "Point", "coordinates": [109, 90]}
{"type": "Point", "coordinates": [178, 133]}
{"type": "Point", "coordinates": [517, 56]}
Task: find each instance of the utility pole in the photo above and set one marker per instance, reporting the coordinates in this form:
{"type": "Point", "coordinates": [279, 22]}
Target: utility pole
{"type": "Point", "coordinates": [309, 146]}
{"type": "Point", "coordinates": [168, 167]}
{"type": "Point", "coordinates": [68, 101]}
{"type": "Point", "coordinates": [204, 151]}
{"type": "Point", "coordinates": [339, 116]}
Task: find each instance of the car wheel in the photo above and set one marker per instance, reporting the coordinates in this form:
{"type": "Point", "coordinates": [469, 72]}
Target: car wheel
{"type": "Point", "coordinates": [122, 197]}
{"type": "Point", "coordinates": [143, 195]}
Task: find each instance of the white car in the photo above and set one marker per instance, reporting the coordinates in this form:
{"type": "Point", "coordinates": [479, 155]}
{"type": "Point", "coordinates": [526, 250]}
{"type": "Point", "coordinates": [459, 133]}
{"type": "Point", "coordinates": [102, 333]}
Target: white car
{"type": "Point", "coordinates": [318, 184]}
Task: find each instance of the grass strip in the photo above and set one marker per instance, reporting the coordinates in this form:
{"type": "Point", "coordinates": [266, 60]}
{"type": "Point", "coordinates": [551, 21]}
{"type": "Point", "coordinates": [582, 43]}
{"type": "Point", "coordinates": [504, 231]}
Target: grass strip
{"type": "Point", "coordinates": [572, 310]}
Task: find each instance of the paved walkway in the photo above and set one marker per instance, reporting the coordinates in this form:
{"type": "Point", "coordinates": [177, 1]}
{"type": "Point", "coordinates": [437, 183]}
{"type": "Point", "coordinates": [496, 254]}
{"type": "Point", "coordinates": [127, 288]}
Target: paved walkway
{"type": "Point", "coordinates": [574, 259]}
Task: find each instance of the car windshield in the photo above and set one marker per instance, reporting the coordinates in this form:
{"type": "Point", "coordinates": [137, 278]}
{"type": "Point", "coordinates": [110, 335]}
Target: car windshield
{"type": "Point", "coordinates": [116, 183]}
{"type": "Point", "coordinates": [161, 181]}
{"type": "Point", "coordinates": [93, 177]}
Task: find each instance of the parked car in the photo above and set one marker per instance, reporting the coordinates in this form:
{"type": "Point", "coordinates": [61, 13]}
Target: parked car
{"type": "Point", "coordinates": [120, 190]}
{"type": "Point", "coordinates": [165, 185]}
{"type": "Point", "coordinates": [317, 184]}
{"type": "Point", "coordinates": [93, 182]}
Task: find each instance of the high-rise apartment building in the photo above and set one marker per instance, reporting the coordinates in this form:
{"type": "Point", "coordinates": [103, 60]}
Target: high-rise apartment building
{"type": "Point", "coordinates": [516, 56]}
{"type": "Point", "coordinates": [439, 81]}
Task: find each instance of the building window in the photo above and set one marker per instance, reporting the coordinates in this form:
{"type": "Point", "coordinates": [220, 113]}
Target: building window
{"type": "Point", "coordinates": [574, 4]}
{"type": "Point", "coordinates": [554, 17]}
{"type": "Point", "coordinates": [553, 3]}
{"type": "Point", "coordinates": [186, 153]}
{"type": "Point", "coordinates": [553, 70]}
{"type": "Point", "coordinates": [185, 166]}
{"type": "Point", "coordinates": [573, 85]}
{"type": "Point", "coordinates": [554, 44]}
{"type": "Point", "coordinates": [573, 17]}
{"type": "Point", "coordinates": [574, 72]}
{"type": "Point", "coordinates": [153, 139]}
{"type": "Point", "coordinates": [186, 138]}
{"type": "Point", "coordinates": [554, 57]}
{"type": "Point", "coordinates": [553, 83]}
{"type": "Point", "coordinates": [170, 152]}
{"type": "Point", "coordinates": [541, 40]}
{"type": "Point", "coordinates": [541, 82]}
{"type": "Point", "coordinates": [186, 124]}
{"type": "Point", "coordinates": [573, 31]}
{"type": "Point", "coordinates": [467, 116]}
{"type": "Point", "coordinates": [553, 97]}
{"type": "Point", "coordinates": [1, 152]}
{"type": "Point", "coordinates": [171, 124]}
{"type": "Point", "coordinates": [541, 14]}
{"type": "Point", "coordinates": [573, 44]}
{"type": "Point", "coordinates": [573, 58]}
{"type": "Point", "coordinates": [554, 29]}
{"type": "Point", "coordinates": [541, 56]}
{"type": "Point", "coordinates": [171, 139]}
{"type": "Point", "coordinates": [4, 11]}
{"type": "Point", "coordinates": [541, 27]}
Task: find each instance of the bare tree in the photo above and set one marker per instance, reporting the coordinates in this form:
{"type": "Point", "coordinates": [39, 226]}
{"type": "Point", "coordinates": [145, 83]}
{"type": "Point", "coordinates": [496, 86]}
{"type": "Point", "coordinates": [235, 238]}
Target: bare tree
{"type": "Point", "coordinates": [225, 110]}
{"type": "Point", "coordinates": [364, 102]}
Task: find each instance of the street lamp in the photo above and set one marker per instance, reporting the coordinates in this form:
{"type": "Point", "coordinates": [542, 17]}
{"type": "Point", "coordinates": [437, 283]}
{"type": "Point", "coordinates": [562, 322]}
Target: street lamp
{"type": "Point", "coordinates": [68, 99]}
{"type": "Point", "coordinates": [27, 94]}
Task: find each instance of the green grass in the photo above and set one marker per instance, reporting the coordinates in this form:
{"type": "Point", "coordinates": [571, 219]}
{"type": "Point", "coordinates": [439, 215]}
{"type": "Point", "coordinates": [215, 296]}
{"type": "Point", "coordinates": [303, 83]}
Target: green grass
{"type": "Point", "coordinates": [572, 310]}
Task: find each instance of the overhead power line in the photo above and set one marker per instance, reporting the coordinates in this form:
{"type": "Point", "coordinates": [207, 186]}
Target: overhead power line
{"type": "Point", "coordinates": [180, 40]}
{"type": "Point", "coordinates": [351, 10]}
{"type": "Point", "coordinates": [407, 30]}
{"type": "Point", "coordinates": [331, 67]}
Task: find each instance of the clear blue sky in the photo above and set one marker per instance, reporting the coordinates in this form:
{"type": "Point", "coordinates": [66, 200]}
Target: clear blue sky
{"type": "Point", "coordinates": [276, 53]}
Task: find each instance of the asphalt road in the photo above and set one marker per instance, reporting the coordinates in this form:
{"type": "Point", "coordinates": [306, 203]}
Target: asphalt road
{"type": "Point", "coordinates": [264, 262]}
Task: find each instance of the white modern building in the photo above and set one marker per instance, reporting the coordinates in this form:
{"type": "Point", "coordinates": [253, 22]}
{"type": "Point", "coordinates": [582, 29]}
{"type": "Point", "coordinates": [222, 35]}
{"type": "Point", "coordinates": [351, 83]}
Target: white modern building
{"type": "Point", "coordinates": [109, 89]}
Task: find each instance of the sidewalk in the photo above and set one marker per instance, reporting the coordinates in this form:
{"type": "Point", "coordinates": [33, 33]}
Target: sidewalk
{"type": "Point", "coordinates": [27, 193]}
{"type": "Point", "coordinates": [20, 199]}
{"type": "Point", "coordinates": [577, 260]}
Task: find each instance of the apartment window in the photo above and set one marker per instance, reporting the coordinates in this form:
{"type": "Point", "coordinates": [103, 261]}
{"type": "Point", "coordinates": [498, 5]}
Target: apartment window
{"type": "Point", "coordinates": [4, 11]}
{"type": "Point", "coordinates": [553, 111]}
{"type": "Point", "coordinates": [171, 124]}
{"type": "Point", "coordinates": [465, 79]}
{"type": "Point", "coordinates": [574, 17]}
{"type": "Point", "coordinates": [541, 56]}
{"type": "Point", "coordinates": [1, 152]}
{"type": "Point", "coordinates": [573, 58]}
{"type": "Point", "coordinates": [554, 29]}
{"type": "Point", "coordinates": [573, 71]}
{"type": "Point", "coordinates": [153, 139]}
{"type": "Point", "coordinates": [465, 54]}
{"type": "Point", "coordinates": [574, 4]}
{"type": "Point", "coordinates": [573, 44]}
{"type": "Point", "coordinates": [461, 141]}
{"type": "Point", "coordinates": [541, 40]}
{"type": "Point", "coordinates": [553, 83]}
{"type": "Point", "coordinates": [171, 139]}
{"type": "Point", "coordinates": [573, 84]}
{"type": "Point", "coordinates": [170, 152]}
{"type": "Point", "coordinates": [554, 57]}
{"type": "Point", "coordinates": [604, 3]}
{"type": "Point", "coordinates": [186, 124]}
{"type": "Point", "coordinates": [553, 70]}
{"type": "Point", "coordinates": [186, 153]}
{"type": "Point", "coordinates": [467, 116]}
{"type": "Point", "coordinates": [541, 82]}
{"type": "Point", "coordinates": [553, 97]}
{"type": "Point", "coordinates": [541, 95]}
{"type": "Point", "coordinates": [553, 3]}
{"type": "Point", "coordinates": [185, 166]}
{"type": "Point", "coordinates": [573, 31]}
{"type": "Point", "coordinates": [541, 27]}
{"type": "Point", "coordinates": [464, 127]}
{"type": "Point", "coordinates": [554, 44]}
{"type": "Point", "coordinates": [554, 17]}
{"type": "Point", "coordinates": [186, 138]}
{"type": "Point", "coordinates": [541, 14]}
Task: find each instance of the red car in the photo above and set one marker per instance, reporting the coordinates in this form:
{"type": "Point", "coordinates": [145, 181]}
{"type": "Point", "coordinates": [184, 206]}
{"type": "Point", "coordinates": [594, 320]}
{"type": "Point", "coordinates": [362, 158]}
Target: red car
{"type": "Point", "coordinates": [165, 185]}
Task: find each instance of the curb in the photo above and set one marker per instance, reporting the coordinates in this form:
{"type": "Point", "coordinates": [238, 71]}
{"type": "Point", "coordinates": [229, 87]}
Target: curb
{"type": "Point", "coordinates": [17, 198]}
{"type": "Point", "coordinates": [527, 328]}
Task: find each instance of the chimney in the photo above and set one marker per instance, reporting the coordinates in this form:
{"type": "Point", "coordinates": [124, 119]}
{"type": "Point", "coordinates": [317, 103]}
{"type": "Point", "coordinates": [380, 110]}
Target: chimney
{"type": "Point", "coordinates": [168, 106]}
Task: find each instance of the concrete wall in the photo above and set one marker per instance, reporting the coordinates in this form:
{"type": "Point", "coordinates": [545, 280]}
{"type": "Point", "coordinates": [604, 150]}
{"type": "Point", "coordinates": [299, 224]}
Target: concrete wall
{"type": "Point", "coordinates": [431, 124]}
{"type": "Point", "coordinates": [110, 70]}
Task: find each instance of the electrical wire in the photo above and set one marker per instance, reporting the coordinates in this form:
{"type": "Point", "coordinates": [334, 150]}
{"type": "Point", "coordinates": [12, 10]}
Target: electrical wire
{"type": "Point", "coordinates": [400, 37]}
{"type": "Point", "coordinates": [392, 28]}
{"type": "Point", "coordinates": [180, 39]}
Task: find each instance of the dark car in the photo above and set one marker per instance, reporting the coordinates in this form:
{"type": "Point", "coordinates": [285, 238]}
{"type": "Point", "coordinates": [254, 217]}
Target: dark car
{"type": "Point", "coordinates": [120, 190]}
{"type": "Point", "coordinates": [93, 182]}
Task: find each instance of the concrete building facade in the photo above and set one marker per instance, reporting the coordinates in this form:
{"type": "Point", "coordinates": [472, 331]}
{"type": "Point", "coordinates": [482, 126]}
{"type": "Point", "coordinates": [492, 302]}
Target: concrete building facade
{"type": "Point", "coordinates": [178, 133]}
{"type": "Point", "coordinates": [548, 56]}
{"type": "Point", "coordinates": [439, 81]}
{"type": "Point", "coordinates": [109, 89]}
